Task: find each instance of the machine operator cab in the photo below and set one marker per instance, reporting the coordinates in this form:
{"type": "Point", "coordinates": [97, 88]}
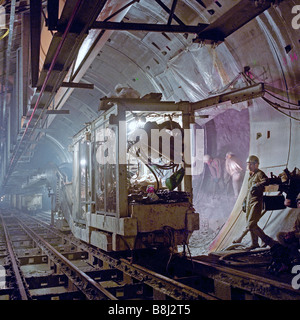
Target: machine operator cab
{"type": "Point", "coordinates": [132, 176]}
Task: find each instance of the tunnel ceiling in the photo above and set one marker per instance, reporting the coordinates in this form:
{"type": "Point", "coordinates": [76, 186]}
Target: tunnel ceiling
{"type": "Point", "coordinates": [137, 59]}
{"type": "Point", "coordinates": [134, 58]}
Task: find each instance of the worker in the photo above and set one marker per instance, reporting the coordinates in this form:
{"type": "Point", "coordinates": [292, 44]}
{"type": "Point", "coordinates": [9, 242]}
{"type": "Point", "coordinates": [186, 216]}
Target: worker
{"type": "Point", "coordinates": [291, 239]}
{"type": "Point", "coordinates": [254, 204]}
{"type": "Point", "coordinates": [215, 169]}
{"type": "Point", "coordinates": [291, 186]}
{"type": "Point", "coordinates": [234, 172]}
{"type": "Point", "coordinates": [286, 253]}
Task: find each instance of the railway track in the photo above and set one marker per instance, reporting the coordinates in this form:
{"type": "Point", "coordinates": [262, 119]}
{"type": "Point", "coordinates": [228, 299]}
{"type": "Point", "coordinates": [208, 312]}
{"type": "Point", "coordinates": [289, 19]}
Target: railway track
{"type": "Point", "coordinates": [42, 262]}
{"type": "Point", "coordinates": [39, 243]}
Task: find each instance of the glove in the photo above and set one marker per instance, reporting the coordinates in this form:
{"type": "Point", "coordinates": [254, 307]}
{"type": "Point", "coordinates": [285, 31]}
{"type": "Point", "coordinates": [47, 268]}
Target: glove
{"type": "Point", "coordinates": [289, 237]}
{"type": "Point", "coordinates": [254, 190]}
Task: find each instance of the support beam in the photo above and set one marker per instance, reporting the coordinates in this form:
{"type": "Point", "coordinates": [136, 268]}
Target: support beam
{"type": "Point", "coordinates": [79, 85]}
{"type": "Point", "coordinates": [172, 12]}
{"type": "Point", "coordinates": [240, 14]}
{"type": "Point", "coordinates": [148, 27]}
{"type": "Point", "coordinates": [52, 8]}
{"type": "Point", "coordinates": [244, 94]}
{"type": "Point", "coordinates": [201, 3]}
{"type": "Point", "coordinates": [121, 9]}
{"type": "Point", "coordinates": [58, 111]}
{"type": "Point", "coordinates": [239, 95]}
{"type": "Point", "coordinates": [169, 11]}
{"type": "Point", "coordinates": [35, 38]}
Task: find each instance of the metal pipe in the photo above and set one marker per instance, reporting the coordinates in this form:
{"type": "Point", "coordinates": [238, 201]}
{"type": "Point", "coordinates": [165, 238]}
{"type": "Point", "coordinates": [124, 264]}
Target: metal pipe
{"type": "Point", "coordinates": [4, 147]}
{"type": "Point", "coordinates": [78, 3]}
{"type": "Point", "coordinates": [8, 52]}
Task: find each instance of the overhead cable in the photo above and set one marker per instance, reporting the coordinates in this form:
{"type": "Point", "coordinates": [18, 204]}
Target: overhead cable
{"type": "Point", "coordinates": [276, 108]}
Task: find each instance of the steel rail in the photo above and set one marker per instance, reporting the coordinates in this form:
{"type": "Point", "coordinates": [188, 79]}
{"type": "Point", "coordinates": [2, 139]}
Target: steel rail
{"type": "Point", "coordinates": [246, 275]}
{"type": "Point", "coordinates": [174, 288]}
{"type": "Point", "coordinates": [251, 283]}
{"type": "Point", "coordinates": [24, 294]}
{"type": "Point", "coordinates": [88, 286]}
{"type": "Point", "coordinates": [165, 285]}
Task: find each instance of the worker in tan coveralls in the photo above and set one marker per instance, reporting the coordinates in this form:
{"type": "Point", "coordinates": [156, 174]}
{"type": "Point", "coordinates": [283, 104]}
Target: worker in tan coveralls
{"type": "Point", "coordinates": [254, 204]}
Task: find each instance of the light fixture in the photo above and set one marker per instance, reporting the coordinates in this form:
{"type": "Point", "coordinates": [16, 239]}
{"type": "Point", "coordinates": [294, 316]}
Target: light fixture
{"type": "Point", "coordinates": [136, 123]}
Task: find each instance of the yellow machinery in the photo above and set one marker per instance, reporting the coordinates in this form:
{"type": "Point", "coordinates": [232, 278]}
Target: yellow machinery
{"type": "Point", "coordinates": [132, 185]}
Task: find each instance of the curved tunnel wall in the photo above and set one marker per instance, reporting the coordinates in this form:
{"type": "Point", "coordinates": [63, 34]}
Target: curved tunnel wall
{"type": "Point", "coordinates": [193, 73]}
{"type": "Point", "coordinates": [270, 47]}
{"type": "Point", "coordinates": [196, 71]}
{"type": "Point", "coordinates": [274, 137]}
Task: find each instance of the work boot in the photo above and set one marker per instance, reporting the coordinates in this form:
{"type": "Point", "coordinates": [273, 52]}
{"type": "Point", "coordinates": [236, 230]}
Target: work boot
{"type": "Point", "coordinates": [238, 240]}
{"type": "Point", "coordinates": [241, 237]}
{"type": "Point", "coordinates": [268, 241]}
{"type": "Point", "coordinates": [254, 241]}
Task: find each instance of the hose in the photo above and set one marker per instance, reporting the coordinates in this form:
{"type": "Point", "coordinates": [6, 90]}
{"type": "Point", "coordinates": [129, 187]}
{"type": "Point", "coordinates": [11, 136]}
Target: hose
{"type": "Point", "coordinates": [157, 181]}
{"type": "Point", "coordinates": [225, 259]}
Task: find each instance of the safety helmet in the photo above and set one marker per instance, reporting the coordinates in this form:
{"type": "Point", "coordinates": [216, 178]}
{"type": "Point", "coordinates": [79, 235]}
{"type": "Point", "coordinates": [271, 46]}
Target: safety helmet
{"type": "Point", "coordinates": [252, 158]}
{"type": "Point", "coordinates": [229, 154]}
{"type": "Point", "coordinates": [298, 197]}
{"type": "Point", "coordinates": [206, 157]}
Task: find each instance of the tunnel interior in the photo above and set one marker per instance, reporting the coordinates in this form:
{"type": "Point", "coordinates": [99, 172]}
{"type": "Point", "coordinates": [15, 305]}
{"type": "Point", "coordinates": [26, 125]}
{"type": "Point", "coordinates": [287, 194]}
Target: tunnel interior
{"type": "Point", "coordinates": [40, 119]}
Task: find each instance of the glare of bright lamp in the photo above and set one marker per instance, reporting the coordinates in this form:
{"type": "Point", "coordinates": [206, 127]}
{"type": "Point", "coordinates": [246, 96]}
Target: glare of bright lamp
{"type": "Point", "coordinates": [135, 124]}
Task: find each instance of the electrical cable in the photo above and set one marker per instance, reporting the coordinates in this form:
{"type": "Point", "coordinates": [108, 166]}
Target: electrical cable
{"type": "Point", "coordinates": [226, 259]}
{"type": "Point", "coordinates": [276, 108]}
{"type": "Point", "coordinates": [277, 105]}
{"type": "Point", "coordinates": [226, 87]}
{"type": "Point", "coordinates": [271, 94]}
{"type": "Point", "coordinates": [271, 41]}
{"type": "Point", "coordinates": [157, 181]}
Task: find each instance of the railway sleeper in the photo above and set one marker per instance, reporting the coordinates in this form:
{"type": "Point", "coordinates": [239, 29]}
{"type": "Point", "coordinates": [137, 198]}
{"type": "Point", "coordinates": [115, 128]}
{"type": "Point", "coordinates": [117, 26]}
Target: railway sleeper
{"type": "Point", "coordinates": [210, 284]}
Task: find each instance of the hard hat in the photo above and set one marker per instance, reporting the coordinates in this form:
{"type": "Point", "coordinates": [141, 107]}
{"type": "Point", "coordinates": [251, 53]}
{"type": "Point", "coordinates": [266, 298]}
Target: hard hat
{"type": "Point", "coordinates": [253, 158]}
{"type": "Point", "coordinates": [206, 157]}
{"type": "Point", "coordinates": [229, 154]}
{"type": "Point", "coordinates": [298, 197]}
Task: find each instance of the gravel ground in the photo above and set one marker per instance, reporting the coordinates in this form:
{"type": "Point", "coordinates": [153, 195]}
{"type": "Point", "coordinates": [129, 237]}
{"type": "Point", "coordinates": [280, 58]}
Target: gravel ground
{"type": "Point", "coordinates": [213, 213]}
